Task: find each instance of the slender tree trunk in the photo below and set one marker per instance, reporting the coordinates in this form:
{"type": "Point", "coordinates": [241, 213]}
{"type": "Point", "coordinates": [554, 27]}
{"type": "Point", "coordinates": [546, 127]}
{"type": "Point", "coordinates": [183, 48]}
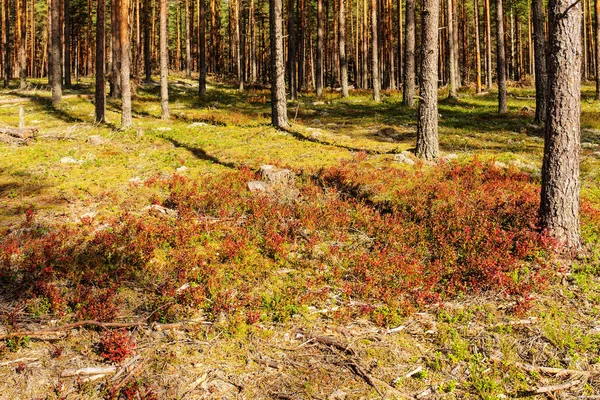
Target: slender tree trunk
{"type": "Point", "coordinates": [22, 44]}
{"type": "Point", "coordinates": [293, 84]}
{"type": "Point", "coordinates": [400, 49]}
{"type": "Point", "coordinates": [202, 48]}
{"type": "Point", "coordinates": [488, 47]}
{"type": "Point", "coordinates": [238, 47]}
{"type": "Point", "coordinates": [115, 31]}
{"type": "Point", "coordinates": [55, 53]}
{"type": "Point", "coordinates": [477, 48]}
{"type": "Point", "coordinates": [408, 95]}
{"type": "Point", "coordinates": [375, 53]}
{"type": "Point", "coordinates": [541, 74]}
{"type": "Point", "coordinates": [164, 59]}
{"type": "Point", "coordinates": [456, 41]}
{"type": "Point", "coordinates": [278, 99]}
{"type": "Point", "coordinates": [500, 58]}
{"type": "Point", "coordinates": [597, 49]}
{"type": "Point", "coordinates": [342, 44]}
{"type": "Point", "coordinates": [188, 42]}
{"type": "Point", "coordinates": [451, 51]}
{"type": "Point", "coordinates": [147, 54]}
{"type": "Point", "coordinates": [302, 47]}
{"type": "Point", "coordinates": [319, 66]}
{"type": "Point", "coordinates": [100, 95]}
{"type": "Point", "coordinates": [126, 118]}
{"type": "Point", "coordinates": [559, 210]}
{"type": "Point", "coordinates": [253, 66]}
{"type": "Point", "coordinates": [427, 119]}
{"type": "Point", "coordinates": [67, 36]}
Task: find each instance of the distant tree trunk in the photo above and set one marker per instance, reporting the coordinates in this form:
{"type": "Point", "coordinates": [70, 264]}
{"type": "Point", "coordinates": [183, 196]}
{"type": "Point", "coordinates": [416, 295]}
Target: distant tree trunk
{"type": "Point", "coordinates": [500, 58]}
{"type": "Point", "coordinates": [541, 73]}
{"type": "Point", "coordinates": [55, 53]}
{"type": "Point", "coordinates": [451, 51]}
{"type": "Point", "coordinates": [279, 116]}
{"type": "Point", "coordinates": [342, 44]}
{"type": "Point", "coordinates": [6, 41]}
{"type": "Point", "coordinates": [188, 42]}
{"type": "Point", "coordinates": [115, 73]}
{"type": "Point", "coordinates": [292, 50]}
{"type": "Point", "coordinates": [408, 95]}
{"type": "Point", "coordinates": [67, 36]}
{"type": "Point", "coordinates": [319, 66]}
{"type": "Point", "coordinates": [456, 41]}
{"type": "Point", "coordinates": [400, 50]}
{"type": "Point", "coordinates": [488, 47]}
{"type": "Point", "coordinates": [365, 46]}
{"type": "Point", "coordinates": [126, 118]}
{"type": "Point", "coordinates": [559, 210]}
{"type": "Point", "coordinates": [22, 44]}
{"type": "Point", "coordinates": [238, 47]}
{"type": "Point", "coordinates": [147, 54]}
{"type": "Point", "coordinates": [100, 95]}
{"type": "Point", "coordinates": [477, 49]}
{"type": "Point", "coordinates": [427, 119]}
{"type": "Point", "coordinates": [375, 53]}
{"type": "Point", "coordinates": [164, 59]}
{"type": "Point", "coordinates": [202, 48]}
{"type": "Point", "coordinates": [252, 29]}
{"type": "Point", "coordinates": [597, 49]}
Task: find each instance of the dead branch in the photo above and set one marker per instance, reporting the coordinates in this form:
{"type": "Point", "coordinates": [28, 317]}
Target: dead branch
{"type": "Point", "coordinates": [556, 388]}
{"type": "Point", "coordinates": [20, 133]}
{"type": "Point", "coordinates": [88, 371]}
{"type": "Point", "coordinates": [45, 331]}
{"type": "Point", "coordinates": [331, 342]}
{"type": "Point", "coordinates": [12, 140]}
{"type": "Point", "coordinates": [18, 360]}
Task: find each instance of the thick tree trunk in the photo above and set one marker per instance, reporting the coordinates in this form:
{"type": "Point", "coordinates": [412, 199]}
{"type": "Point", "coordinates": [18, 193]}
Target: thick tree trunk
{"type": "Point", "coordinates": [67, 36]}
{"type": "Point", "coordinates": [559, 209]}
{"type": "Point", "coordinates": [100, 96]}
{"type": "Point", "coordinates": [375, 53]}
{"type": "Point", "coordinates": [55, 51]}
{"type": "Point", "coordinates": [147, 54]}
{"type": "Point", "coordinates": [342, 44]}
{"type": "Point", "coordinates": [319, 66]}
{"type": "Point", "coordinates": [451, 51]}
{"type": "Point", "coordinates": [164, 59]}
{"type": "Point", "coordinates": [278, 99]}
{"type": "Point", "coordinates": [541, 73]}
{"type": "Point", "coordinates": [202, 48]}
{"type": "Point", "coordinates": [126, 118]}
{"type": "Point", "coordinates": [597, 49]}
{"type": "Point", "coordinates": [500, 58]}
{"type": "Point", "coordinates": [477, 49]}
{"type": "Point", "coordinates": [408, 95]}
{"type": "Point", "coordinates": [427, 119]}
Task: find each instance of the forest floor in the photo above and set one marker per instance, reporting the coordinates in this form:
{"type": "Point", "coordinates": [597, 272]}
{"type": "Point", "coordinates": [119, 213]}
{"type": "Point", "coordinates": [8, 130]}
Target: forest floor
{"type": "Point", "coordinates": [351, 270]}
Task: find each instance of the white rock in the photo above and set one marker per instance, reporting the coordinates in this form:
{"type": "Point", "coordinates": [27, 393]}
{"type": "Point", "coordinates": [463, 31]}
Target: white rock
{"type": "Point", "coordinates": [500, 165]}
{"type": "Point", "coordinates": [182, 168]}
{"type": "Point", "coordinates": [70, 160]}
{"type": "Point", "coordinates": [163, 129]}
{"type": "Point", "coordinates": [257, 186]}
{"type": "Point", "coordinates": [403, 158]}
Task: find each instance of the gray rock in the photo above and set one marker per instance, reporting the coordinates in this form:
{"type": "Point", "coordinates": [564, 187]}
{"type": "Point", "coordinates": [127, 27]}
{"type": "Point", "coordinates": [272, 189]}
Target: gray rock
{"type": "Point", "coordinates": [257, 186]}
{"type": "Point", "coordinates": [403, 158]}
{"type": "Point", "coordinates": [182, 168]}
{"type": "Point", "coordinates": [160, 210]}
{"type": "Point", "coordinates": [96, 140]}
{"type": "Point", "coordinates": [276, 176]}
{"type": "Point", "coordinates": [70, 160]}
{"type": "Point", "coordinates": [316, 121]}
{"type": "Point", "coordinates": [500, 165]}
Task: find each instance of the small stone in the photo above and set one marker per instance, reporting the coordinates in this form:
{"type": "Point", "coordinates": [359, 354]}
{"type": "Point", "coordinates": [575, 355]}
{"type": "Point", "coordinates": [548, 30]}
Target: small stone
{"type": "Point", "coordinates": [96, 140]}
{"type": "Point", "coordinates": [318, 103]}
{"type": "Point", "coordinates": [197, 124]}
{"type": "Point", "coordinates": [316, 135]}
{"type": "Point", "coordinates": [403, 158]}
{"type": "Point", "coordinates": [136, 179]}
{"type": "Point", "coordinates": [337, 395]}
{"type": "Point", "coordinates": [163, 129]}
{"type": "Point", "coordinates": [257, 186]}
{"type": "Point", "coordinates": [597, 154]}
{"type": "Point", "coordinates": [316, 121]}
{"type": "Point", "coordinates": [500, 165]}
{"type": "Point", "coordinates": [157, 209]}
{"type": "Point", "coordinates": [276, 176]}
{"type": "Point", "coordinates": [70, 160]}
{"type": "Point", "coordinates": [182, 168]}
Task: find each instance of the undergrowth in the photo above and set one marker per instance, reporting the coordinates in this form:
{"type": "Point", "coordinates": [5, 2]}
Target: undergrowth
{"type": "Point", "coordinates": [375, 242]}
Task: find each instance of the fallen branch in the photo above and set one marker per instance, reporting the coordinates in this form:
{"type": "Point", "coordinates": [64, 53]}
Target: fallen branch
{"type": "Point", "coordinates": [331, 342]}
{"type": "Point", "coordinates": [18, 360]}
{"type": "Point", "coordinates": [20, 133]}
{"type": "Point", "coordinates": [556, 388]}
{"type": "Point", "coordinates": [553, 371]}
{"type": "Point", "coordinates": [88, 371]}
{"type": "Point", "coordinates": [12, 140]}
{"type": "Point", "coordinates": [45, 331]}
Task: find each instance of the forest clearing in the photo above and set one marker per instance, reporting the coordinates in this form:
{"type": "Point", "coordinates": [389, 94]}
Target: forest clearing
{"type": "Point", "coordinates": [299, 199]}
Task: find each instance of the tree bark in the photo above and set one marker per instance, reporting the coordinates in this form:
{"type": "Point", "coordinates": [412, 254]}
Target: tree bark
{"type": "Point", "coordinates": [408, 95]}
{"type": "Point", "coordinates": [55, 53]}
{"type": "Point", "coordinates": [147, 54]}
{"type": "Point", "coordinates": [427, 119]}
{"type": "Point", "coordinates": [342, 44]}
{"type": "Point", "coordinates": [164, 59]}
{"type": "Point", "coordinates": [202, 48]}
{"type": "Point", "coordinates": [126, 118]}
{"type": "Point", "coordinates": [22, 44]}
{"type": "Point", "coordinates": [559, 210]}
{"type": "Point", "coordinates": [319, 66]}
{"type": "Point", "coordinates": [292, 51]}
{"type": "Point", "coordinates": [477, 48]}
{"type": "Point", "coordinates": [188, 42]}
{"type": "Point", "coordinates": [451, 51]}
{"type": "Point", "coordinates": [541, 73]}
{"type": "Point", "coordinates": [279, 116]}
{"type": "Point", "coordinates": [597, 49]}
{"type": "Point", "coordinates": [500, 58]}
{"type": "Point", "coordinates": [67, 36]}
{"type": "Point", "coordinates": [375, 53]}
{"type": "Point", "coordinates": [100, 95]}
{"type": "Point", "coordinates": [115, 31]}
{"type": "Point", "coordinates": [488, 47]}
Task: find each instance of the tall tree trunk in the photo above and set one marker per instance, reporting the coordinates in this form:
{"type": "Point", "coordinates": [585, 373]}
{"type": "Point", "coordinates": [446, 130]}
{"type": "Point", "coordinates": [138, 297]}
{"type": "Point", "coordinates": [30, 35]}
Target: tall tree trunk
{"type": "Point", "coordinates": [100, 95]}
{"type": "Point", "coordinates": [451, 50]}
{"type": "Point", "coordinates": [500, 58]}
{"type": "Point", "coordinates": [488, 46]}
{"type": "Point", "coordinates": [319, 66]}
{"type": "Point", "coordinates": [365, 46]}
{"type": "Point", "coordinates": [408, 95]}
{"type": "Point", "coordinates": [456, 41]}
{"type": "Point", "coordinates": [427, 119]}
{"type": "Point", "coordinates": [541, 74]}
{"type": "Point", "coordinates": [375, 53]}
{"type": "Point", "coordinates": [126, 118]}
{"type": "Point", "coordinates": [252, 29]}
{"type": "Point", "coordinates": [22, 16]}
{"type": "Point", "coordinates": [55, 53]}
{"type": "Point", "coordinates": [292, 50]}
{"type": "Point", "coordinates": [477, 48]}
{"type": "Point", "coordinates": [188, 42]}
{"type": "Point", "coordinates": [147, 54]}
{"type": "Point", "coordinates": [202, 48]}
{"type": "Point", "coordinates": [597, 49]}
{"type": "Point", "coordinates": [115, 31]}
{"type": "Point", "coordinates": [400, 49]}
{"type": "Point", "coordinates": [342, 44]}
{"type": "Point", "coordinates": [164, 59]}
{"type": "Point", "coordinates": [238, 47]}
{"type": "Point", "coordinates": [559, 210]}
{"type": "Point", "coordinates": [67, 36]}
{"type": "Point", "coordinates": [302, 47]}
{"type": "Point", "coordinates": [279, 116]}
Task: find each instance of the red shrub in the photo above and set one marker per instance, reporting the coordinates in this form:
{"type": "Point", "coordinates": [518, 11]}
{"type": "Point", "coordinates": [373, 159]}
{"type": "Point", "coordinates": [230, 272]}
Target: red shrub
{"type": "Point", "coordinates": [116, 345]}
